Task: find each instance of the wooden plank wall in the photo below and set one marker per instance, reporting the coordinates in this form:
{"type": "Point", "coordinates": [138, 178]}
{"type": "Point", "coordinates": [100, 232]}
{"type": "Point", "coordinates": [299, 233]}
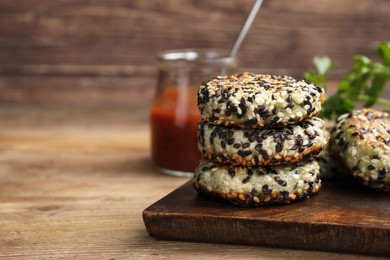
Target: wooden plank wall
{"type": "Point", "coordinates": [100, 50]}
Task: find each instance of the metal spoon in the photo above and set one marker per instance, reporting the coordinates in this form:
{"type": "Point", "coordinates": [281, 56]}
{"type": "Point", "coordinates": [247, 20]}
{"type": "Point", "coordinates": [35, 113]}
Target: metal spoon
{"type": "Point", "coordinates": [245, 28]}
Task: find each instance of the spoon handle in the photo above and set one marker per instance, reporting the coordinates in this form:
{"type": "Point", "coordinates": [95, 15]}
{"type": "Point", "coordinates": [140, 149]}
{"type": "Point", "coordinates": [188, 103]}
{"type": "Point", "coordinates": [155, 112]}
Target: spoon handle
{"type": "Point", "coordinates": [245, 28]}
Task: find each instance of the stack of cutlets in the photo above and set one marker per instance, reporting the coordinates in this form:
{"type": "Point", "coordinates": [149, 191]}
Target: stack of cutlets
{"type": "Point", "coordinates": [258, 136]}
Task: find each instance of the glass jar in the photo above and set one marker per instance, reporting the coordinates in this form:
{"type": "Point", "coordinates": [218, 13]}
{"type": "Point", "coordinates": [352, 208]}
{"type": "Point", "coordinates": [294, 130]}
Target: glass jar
{"type": "Point", "coordinates": [174, 114]}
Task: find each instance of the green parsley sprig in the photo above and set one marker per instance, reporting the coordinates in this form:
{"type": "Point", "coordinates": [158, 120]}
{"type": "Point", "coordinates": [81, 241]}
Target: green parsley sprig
{"type": "Point", "coordinates": [364, 82]}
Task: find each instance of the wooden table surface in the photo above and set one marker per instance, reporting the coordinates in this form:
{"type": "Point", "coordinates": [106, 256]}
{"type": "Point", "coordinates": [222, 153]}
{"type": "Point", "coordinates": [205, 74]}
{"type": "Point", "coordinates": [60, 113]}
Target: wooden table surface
{"type": "Point", "coordinates": [74, 181]}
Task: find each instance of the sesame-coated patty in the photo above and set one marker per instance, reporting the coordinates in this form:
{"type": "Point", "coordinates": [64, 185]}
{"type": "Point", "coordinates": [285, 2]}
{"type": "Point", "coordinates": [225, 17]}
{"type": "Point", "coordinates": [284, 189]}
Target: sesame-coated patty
{"type": "Point", "coordinates": [362, 140]}
{"type": "Point", "coordinates": [256, 186]}
{"type": "Point", "coordinates": [246, 146]}
{"type": "Point", "coordinates": [255, 100]}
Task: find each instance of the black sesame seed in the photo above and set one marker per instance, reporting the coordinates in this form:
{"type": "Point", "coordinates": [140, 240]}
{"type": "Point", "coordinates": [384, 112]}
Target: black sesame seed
{"type": "Point", "coordinates": [245, 145]}
{"type": "Point", "coordinates": [246, 179]}
{"type": "Point", "coordinates": [284, 193]}
{"type": "Point", "coordinates": [280, 181]}
{"type": "Point", "coordinates": [274, 161]}
{"type": "Point", "coordinates": [309, 134]}
{"type": "Point", "coordinates": [250, 122]}
{"type": "Point", "coordinates": [243, 108]}
{"type": "Point", "coordinates": [213, 118]}
{"type": "Point", "coordinates": [231, 172]}
{"type": "Point", "coordinates": [258, 138]}
{"type": "Point", "coordinates": [311, 110]}
{"type": "Point", "coordinates": [264, 115]}
{"type": "Point", "coordinates": [256, 159]}
{"type": "Point", "coordinates": [383, 171]}
{"type": "Point", "coordinates": [223, 144]}
{"type": "Point", "coordinates": [266, 190]}
{"type": "Point", "coordinates": [233, 109]}
{"type": "Point", "coordinates": [304, 124]}
{"type": "Point", "coordinates": [279, 147]}
{"type": "Point", "coordinates": [318, 89]}
{"type": "Point", "coordinates": [254, 192]}
{"type": "Point", "coordinates": [355, 134]}
{"type": "Point", "coordinates": [295, 147]}
{"type": "Point", "coordinates": [260, 173]}
{"type": "Point", "coordinates": [243, 153]}
{"type": "Point", "coordinates": [264, 154]}
{"type": "Point", "coordinates": [230, 141]}
{"type": "Point", "coordinates": [236, 145]}
{"type": "Point", "coordinates": [275, 119]}
{"type": "Point", "coordinates": [290, 105]}
{"type": "Point", "coordinates": [371, 167]}
{"type": "Point", "coordinates": [355, 168]}
{"type": "Point", "coordinates": [261, 109]}
{"type": "Point", "coordinates": [307, 101]}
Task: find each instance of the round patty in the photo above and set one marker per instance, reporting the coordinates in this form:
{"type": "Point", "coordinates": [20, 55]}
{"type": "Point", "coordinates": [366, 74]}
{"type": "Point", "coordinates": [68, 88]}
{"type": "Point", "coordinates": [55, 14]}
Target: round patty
{"type": "Point", "coordinates": [246, 146]}
{"type": "Point", "coordinates": [256, 186]}
{"type": "Point", "coordinates": [255, 100]}
{"type": "Point", "coordinates": [362, 140]}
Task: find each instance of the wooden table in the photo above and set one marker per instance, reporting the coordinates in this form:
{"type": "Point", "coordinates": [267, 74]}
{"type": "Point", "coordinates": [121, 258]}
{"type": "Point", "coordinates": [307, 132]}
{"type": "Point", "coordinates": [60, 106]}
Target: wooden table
{"type": "Point", "coordinates": [74, 180]}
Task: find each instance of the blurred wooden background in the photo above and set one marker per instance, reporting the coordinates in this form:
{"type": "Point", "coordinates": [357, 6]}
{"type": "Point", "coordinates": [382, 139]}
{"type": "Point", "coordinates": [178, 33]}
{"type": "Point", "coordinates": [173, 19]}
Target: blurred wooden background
{"type": "Point", "coordinates": [100, 50]}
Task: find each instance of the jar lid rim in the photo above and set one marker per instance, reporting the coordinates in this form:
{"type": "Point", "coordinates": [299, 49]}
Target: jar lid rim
{"type": "Point", "coordinates": [195, 55]}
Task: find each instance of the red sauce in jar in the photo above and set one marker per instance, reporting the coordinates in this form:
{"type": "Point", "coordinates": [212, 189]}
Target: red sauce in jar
{"type": "Point", "coordinates": [174, 125]}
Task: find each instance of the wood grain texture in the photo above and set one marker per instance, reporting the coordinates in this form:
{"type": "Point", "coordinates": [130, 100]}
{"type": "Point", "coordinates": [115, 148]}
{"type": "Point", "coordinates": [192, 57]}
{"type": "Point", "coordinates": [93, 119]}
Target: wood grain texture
{"type": "Point", "coordinates": [341, 217]}
{"type": "Point", "coordinates": [286, 34]}
{"type": "Point", "coordinates": [75, 179]}
{"type": "Point", "coordinates": [120, 39]}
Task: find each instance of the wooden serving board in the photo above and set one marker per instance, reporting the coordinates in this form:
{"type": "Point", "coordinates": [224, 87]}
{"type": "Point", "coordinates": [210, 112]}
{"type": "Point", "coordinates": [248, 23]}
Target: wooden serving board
{"type": "Point", "coordinates": [343, 216]}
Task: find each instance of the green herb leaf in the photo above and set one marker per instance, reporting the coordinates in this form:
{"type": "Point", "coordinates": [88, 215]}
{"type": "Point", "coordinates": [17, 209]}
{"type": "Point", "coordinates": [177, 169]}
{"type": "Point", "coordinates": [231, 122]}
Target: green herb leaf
{"type": "Point", "coordinates": [315, 78]}
{"type": "Point", "coordinates": [373, 93]}
{"type": "Point", "coordinates": [384, 52]}
{"type": "Point", "coordinates": [364, 82]}
{"type": "Point", "coordinates": [323, 64]}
